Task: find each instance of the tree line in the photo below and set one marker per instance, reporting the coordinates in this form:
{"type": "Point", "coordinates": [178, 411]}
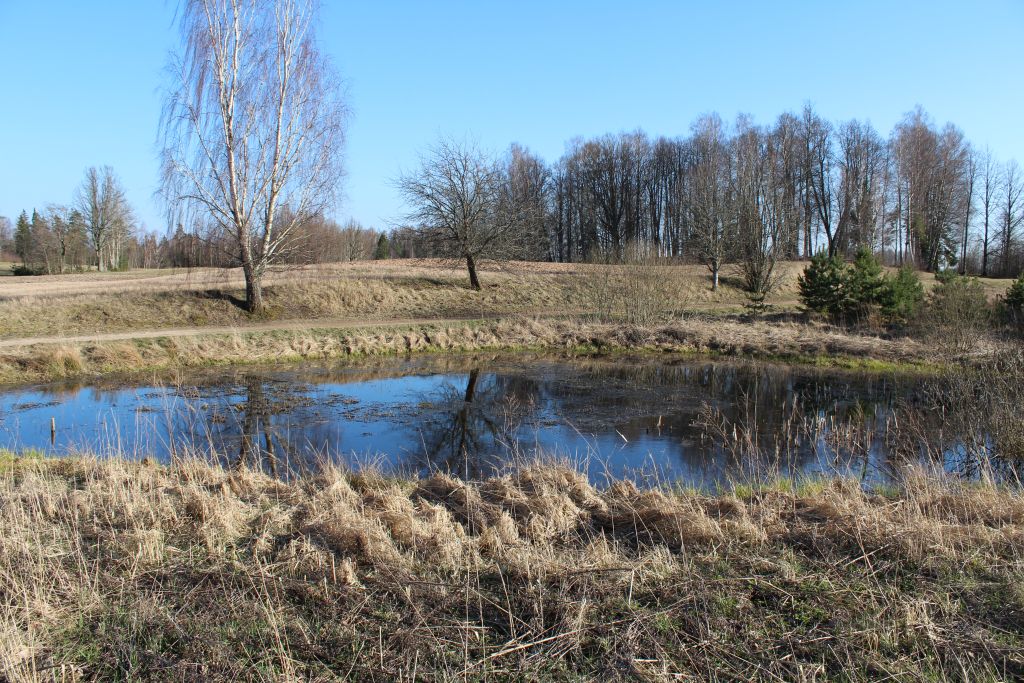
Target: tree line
{"type": "Point", "coordinates": [745, 194]}
{"type": "Point", "coordinates": [315, 240]}
{"type": "Point", "coordinates": [97, 230]}
{"type": "Point", "coordinates": [253, 128]}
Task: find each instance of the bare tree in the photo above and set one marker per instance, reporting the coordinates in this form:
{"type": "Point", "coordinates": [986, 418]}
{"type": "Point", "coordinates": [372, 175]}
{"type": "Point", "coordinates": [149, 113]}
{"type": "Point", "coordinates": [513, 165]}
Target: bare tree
{"type": "Point", "coordinates": [108, 217]}
{"type": "Point", "coordinates": [970, 179]}
{"type": "Point", "coordinates": [1010, 215]}
{"type": "Point", "coordinates": [823, 177]}
{"type": "Point", "coordinates": [357, 243]}
{"type": "Point", "coordinates": [253, 125]}
{"type": "Point", "coordinates": [760, 229]}
{"type": "Point", "coordinates": [528, 187]}
{"type": "Point", "coordinates": [458, 203]}
{"type": "Point", "coordinates": [710, 218]}
{"type": "Point", "coordinates": [932, 168]}
{"type": "Point", "coordinates": [6, 236]}
{"type": "Point", "coordinates": [860, 163]}
{"type": "Point", "coordinates": [989, 185]}
{"type": "Point", "coordinates": [68, 236]}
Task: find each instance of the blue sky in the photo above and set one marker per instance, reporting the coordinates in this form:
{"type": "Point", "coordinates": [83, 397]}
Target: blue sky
{"type": "Point", "coordinates": [81, 80]}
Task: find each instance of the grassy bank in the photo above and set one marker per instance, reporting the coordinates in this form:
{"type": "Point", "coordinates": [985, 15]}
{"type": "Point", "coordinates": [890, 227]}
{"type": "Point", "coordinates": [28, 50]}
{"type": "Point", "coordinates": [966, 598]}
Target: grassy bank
{"type": "Point", "coordinates": [62, 305]}
{"type": "Point", "coordinates": [784, 341]}
{"type": "Point", "coordinates": [120, 571]}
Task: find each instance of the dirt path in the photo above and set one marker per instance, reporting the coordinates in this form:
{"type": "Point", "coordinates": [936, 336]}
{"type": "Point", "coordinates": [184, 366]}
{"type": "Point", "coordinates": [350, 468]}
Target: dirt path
{"type": "Point", "coordinates": [284, 325]}
{"type": "Point", "coordinates": [184, 279]}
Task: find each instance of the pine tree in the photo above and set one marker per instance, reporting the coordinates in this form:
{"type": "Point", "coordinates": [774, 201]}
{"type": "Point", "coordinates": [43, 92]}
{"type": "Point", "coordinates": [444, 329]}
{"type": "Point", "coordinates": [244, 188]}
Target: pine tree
{"type": "Point", "coordinates": [383, 248]}
{"type": "Point", "coordinates": [903, 295]}
{"type": "Point", "coordinates": [865, 283]}
{"type": "Point", "coordinates": [23, 238]}
{"type": "Point", "coordinates": [822, 285]}
{"type": "Point", "coordinates": [1014, 301]}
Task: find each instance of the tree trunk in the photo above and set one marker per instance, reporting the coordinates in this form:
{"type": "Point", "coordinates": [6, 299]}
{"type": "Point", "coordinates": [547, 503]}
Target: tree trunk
{"type": "Point", "coordinates": [714, 277]}
{"type": "Point", "coordinates": [253, 290]}
{"type": "Point", "coordinates": [984, 248]}
{"type": "Point", "coordinates": [474, 281]}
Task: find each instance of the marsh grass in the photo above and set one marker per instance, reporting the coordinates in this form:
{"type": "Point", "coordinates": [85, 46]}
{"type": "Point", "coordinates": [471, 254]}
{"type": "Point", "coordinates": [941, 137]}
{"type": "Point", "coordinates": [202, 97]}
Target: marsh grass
{"type": "Point", "coordinates": [116, 570]}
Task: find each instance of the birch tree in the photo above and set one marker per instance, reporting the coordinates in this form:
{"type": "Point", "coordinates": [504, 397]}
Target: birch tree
{"type": "Point", "coordinates": [253, 127]}
{"type": "Point", "coordinates": [710, 217]}
{"type": "Point", "coordinates": [106, 213]}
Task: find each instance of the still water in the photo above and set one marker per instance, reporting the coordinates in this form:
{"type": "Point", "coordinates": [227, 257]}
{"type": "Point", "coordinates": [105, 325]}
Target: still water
{"type": "Point", "coordinates": [474, 415]}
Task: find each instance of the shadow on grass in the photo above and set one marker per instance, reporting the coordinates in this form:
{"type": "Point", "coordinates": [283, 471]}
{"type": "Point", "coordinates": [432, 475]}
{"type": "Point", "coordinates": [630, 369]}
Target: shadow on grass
{"type": "Point", "coordinates": [220, 295]}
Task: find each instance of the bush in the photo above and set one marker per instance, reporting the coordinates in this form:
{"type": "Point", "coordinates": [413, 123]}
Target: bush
{"type": "Point", "coordinates": [903, 295]}
{"type": "Point", "coordinates": [1013, 302]}
{"type": "Point", "coordinates": [958, 311]}
{"type": "Point", "coordinates": [639, 288]}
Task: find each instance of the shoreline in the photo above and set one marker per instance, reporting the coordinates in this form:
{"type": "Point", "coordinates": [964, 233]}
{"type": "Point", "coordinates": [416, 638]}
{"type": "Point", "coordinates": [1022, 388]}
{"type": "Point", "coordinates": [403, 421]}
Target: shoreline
{"type": "Point", "coordinates": [792, 343]}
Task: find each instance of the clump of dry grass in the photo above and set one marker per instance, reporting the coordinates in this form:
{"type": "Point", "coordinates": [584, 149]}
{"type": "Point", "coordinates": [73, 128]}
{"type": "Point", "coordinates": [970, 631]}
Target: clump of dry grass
{"type": "Point", "coordinates": [112, 569]}
{"type": "Point", "coordinates": [56, 361]}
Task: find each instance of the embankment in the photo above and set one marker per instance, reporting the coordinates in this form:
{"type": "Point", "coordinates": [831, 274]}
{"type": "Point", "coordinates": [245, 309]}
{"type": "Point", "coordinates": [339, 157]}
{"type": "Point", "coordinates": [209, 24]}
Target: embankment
{"type": "Point", "coordinates": [167, 350]}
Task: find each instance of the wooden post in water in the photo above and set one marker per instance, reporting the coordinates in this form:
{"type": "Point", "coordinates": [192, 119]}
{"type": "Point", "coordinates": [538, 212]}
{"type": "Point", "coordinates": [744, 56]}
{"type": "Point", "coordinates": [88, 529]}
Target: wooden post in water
{"type": "Point", "coordinates": [53, 431]}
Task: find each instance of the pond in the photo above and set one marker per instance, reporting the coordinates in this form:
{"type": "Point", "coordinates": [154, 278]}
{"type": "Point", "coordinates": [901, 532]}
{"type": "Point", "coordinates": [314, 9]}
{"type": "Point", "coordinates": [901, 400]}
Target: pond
{"type": "Point", "coordinates": [675, 419]}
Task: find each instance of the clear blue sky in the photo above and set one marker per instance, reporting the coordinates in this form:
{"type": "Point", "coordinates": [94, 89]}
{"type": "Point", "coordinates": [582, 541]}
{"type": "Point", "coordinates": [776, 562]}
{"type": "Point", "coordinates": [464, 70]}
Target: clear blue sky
{"type": "Point", "coordinates": [81, 79]}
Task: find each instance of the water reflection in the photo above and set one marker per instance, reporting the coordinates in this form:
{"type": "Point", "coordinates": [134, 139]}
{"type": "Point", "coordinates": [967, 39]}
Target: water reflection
{"type": "Point", "coordinates": [698, 422]}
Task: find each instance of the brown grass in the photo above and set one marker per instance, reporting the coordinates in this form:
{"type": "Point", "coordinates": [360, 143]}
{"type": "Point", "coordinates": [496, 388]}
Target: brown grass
{"type": "Point", "coordinates": [790, 341]}
{"type": "Point", "coordinates": [165, 302]}
{"type": "Point", "coordinates": [374, 290]}
{"type": "Point", "coordinates": [61, 305]}
{"type": "Point", "coordinates": [116, 570]}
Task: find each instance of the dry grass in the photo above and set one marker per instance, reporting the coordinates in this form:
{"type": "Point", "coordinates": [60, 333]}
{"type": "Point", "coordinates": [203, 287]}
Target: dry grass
{"type": "Point", "coordinates": [61, 305]}
{"type": "Point", "coordinates": [167, 302]}
{"type": "Point", "coordinates": [111, 570]}
{"type": "Point", "coordinates": [146, 320]}
{"type": "Point", "coordinates": [791, 341]}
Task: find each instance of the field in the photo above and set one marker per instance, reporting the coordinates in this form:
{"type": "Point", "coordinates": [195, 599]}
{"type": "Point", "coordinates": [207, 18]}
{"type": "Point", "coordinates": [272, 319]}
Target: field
{"type": "Point", "coordinates": [64, 326]}
{"type": "Point", "coordinates": [369, 291]}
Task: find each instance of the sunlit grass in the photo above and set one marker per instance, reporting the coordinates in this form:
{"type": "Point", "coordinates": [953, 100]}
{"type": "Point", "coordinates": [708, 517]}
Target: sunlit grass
{"type": "Point", "coordinates": [117, 569]}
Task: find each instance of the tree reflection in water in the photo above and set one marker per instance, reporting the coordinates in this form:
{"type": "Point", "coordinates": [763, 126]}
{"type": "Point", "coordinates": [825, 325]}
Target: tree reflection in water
{"type": "Point", "coordinates": [473, 429]}
{"type": "Point", "coordinates": [698, 422]}
{"type": "Point", "coordinates": [260, 442]}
